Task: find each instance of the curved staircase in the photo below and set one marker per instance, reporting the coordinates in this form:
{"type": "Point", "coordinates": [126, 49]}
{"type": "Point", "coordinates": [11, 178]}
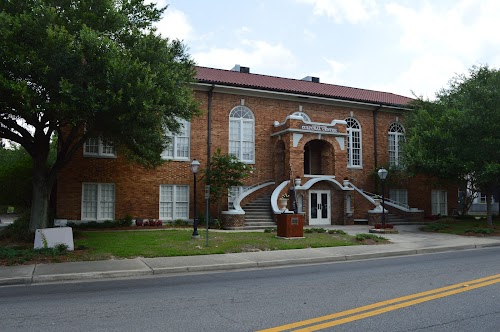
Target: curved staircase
{"type": "Point", "coordinates": [258, 214]}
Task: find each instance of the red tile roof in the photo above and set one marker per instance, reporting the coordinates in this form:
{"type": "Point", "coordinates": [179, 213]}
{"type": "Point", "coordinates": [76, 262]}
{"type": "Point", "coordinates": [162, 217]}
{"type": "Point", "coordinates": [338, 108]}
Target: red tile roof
{"type": "Point", "coordinates": [263, 82]}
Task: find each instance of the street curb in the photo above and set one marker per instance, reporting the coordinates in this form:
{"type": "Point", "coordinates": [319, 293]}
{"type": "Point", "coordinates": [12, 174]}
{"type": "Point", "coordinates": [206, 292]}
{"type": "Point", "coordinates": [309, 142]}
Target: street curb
{"type": "Point", "coordinates": [30, 276]}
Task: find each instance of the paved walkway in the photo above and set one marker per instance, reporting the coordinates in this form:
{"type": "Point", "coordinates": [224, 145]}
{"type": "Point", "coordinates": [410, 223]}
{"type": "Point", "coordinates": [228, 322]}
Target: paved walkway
{"type": "Point", "coordinates": [409, 241]}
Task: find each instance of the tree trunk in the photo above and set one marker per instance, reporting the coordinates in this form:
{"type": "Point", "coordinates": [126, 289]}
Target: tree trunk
{"type": "Point", "coordinates": [42, 187]}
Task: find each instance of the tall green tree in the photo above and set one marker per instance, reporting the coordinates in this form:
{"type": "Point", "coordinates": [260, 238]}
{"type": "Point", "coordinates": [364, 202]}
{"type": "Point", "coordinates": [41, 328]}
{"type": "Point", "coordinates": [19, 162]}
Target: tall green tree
{"type": "Point", "coordinates": [224, 171]}
{"type": "Point", "coordinates": [88, 68]}
{"type": "Point", "coordinates": [457, 136]}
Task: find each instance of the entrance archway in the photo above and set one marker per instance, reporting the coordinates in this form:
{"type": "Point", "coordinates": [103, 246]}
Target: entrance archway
{"type": "Point", "coordinates": [319, 158]}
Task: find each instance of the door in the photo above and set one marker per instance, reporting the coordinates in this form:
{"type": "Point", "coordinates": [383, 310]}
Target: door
{"type": "Point", "coordinates": [319, 207]}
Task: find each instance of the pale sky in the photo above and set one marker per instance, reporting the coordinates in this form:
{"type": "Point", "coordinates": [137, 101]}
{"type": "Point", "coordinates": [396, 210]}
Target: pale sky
{"type": "Point", "coordinates": [395, 46]}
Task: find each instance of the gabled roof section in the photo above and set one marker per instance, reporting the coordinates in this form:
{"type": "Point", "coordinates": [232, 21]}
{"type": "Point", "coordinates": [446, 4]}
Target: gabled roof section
{"type": "Point", "coordinates": [288, 85]}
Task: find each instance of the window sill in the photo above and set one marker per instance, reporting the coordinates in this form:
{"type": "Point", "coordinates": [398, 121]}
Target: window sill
{"type": "Point", "coordinates": [354, 167]}
{"type": "Point", "coordinates": [103, 156]}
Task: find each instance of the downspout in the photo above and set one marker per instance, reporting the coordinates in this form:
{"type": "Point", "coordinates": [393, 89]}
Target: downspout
{"type": "Point", "coordinates": [209, 143]}
{"type": "Point", "coordinates": [375, 151]}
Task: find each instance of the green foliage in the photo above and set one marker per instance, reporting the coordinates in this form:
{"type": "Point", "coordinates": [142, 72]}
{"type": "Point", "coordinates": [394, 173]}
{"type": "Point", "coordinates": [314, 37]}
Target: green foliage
{"type": "Point", "coordinates": [336, 231]}
{"type": "Point", "coordinates": [485, 231]}
{"type": "Point", "coordinates": [314, 230]}
{"type": "Point", "coordinates": [457, 136]}
{"type": "Point", "coordinates": [19, 230]}
{"type": "Point", "coordinates": [91, 68]}
{"type": "Point", "coordinates": [435, 227]}
{"type": "Point", "coordinates": [366, 236]}
{"type": "Point", "coordinates": [225, 171]}
{"type": "Point", "coordinates": [16, 174]}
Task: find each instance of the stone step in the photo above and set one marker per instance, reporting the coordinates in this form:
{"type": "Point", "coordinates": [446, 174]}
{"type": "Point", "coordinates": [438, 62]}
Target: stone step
{"type": "Point", "coordinates": [260, 223]}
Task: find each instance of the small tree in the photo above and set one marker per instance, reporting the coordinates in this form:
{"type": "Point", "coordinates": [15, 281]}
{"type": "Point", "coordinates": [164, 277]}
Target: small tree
{"type": "Point", "coordinates": [224, 171]}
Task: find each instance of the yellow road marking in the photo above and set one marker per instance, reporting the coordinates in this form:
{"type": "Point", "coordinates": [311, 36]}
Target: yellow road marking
{"type": "Point", "coordinates": [410, 300]}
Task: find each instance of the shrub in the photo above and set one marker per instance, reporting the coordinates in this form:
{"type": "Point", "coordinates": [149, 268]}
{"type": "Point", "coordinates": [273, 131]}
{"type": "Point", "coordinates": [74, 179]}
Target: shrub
{"type": "Point", "coordinates": [19, 229]}
{"type": "Point", "coordinates": [337, 231]}
{"type": "Point", "coordinates": [435, 227]}
{"type": "Point", "coordinates": [366, 236]}
{"type": "Point", "coordinates": [125, 222]}
{"type": "Point", "coordinates": [485, 231]}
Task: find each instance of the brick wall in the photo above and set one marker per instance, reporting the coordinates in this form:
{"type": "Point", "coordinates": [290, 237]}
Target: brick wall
{"type": "Point", "coordinates": [137, 188]}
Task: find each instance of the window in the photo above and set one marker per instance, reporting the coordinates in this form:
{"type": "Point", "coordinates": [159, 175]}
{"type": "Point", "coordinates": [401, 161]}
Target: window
{"type": "Point", "coordinates": [439, 202]}
{"type": "Point", "coordinates": [233, 193]}
{"type": "Point", "coordinates": [399, 195]}
{"type": "Point", "coordinates": [178, 147]}
{"type": "Point", "coordinates": [241, 134]}
{"type": "Point", "coordinates": [98, 201]}
{"type": "Point", "coordinates": [396, 137]}
{"type": "Point", "coordinates": [353, 143]}
{"type": "Point", "coordinates": [98, 147]}
{"type": "Point", "coordinates": [303, 115]}
{"type": "Point", "coordinates": [174, 202]}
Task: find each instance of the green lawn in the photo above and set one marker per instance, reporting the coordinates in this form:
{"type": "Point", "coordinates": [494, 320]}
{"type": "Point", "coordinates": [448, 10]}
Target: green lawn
{"type": "Point", "coordinates": [179, 243]}
{"type": "Point", "coordinates": [469, 226]}
{"type": "Point", "coordinates": [107, 244]}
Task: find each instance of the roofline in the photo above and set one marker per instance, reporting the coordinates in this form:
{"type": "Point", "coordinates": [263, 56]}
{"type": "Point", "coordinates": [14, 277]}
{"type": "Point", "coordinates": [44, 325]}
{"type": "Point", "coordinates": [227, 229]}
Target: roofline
{"type": "Point", "coordinates": [210, 84]}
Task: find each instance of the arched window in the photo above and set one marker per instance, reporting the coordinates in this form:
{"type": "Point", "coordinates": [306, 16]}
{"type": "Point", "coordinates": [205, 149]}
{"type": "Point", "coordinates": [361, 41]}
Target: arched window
{"type": "Point", "coordinates": [353, 143]}
{"type": "Point", "coordinates": [303, 115]}
{"type": "Point", "coordinates": [242, 134]}
{"type": "Point", "coordinates": [396, 137]}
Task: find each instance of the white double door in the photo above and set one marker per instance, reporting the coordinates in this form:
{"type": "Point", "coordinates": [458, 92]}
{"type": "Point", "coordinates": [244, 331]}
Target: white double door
{"type": "Point", "coordinates": [319, 207]}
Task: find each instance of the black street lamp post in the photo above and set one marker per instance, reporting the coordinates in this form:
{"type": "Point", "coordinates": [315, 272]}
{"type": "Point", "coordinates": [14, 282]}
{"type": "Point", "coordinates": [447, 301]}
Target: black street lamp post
{"type": "Point", "coordinates": [382, 174]}
{"type": "Point", "coordinates": [195, 167]}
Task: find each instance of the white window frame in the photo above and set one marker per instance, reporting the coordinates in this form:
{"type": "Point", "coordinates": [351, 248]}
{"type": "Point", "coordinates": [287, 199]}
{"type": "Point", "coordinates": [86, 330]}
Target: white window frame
{"type": "Point", "coordinates": [396, 136]}
{"type": "Point", "coordinates": [239, 145]}
{"type": "Point", "coordinates": [173, 151]}
{"type": "Point", "coordinates": [354, 136]}
{"type": "Point", "coordinates": [176, 203]}
{"type": "Point", "coordinates": [103, 146]}
{"type": "Point", "coordinates": [399, 196]}
{"type": "Point", "coordinates": [101, 201]}
{"type": "Point", "coordinates": [439, 201]}
{"type": "Point", "coordinates": [303, 116]}
{"type": "Point", "coordinates": [232, 193]}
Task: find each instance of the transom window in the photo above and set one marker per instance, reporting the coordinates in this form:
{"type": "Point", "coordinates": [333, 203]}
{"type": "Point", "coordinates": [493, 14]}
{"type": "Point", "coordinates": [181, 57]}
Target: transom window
{"type": "Point", "coordinates": [174, 202]}
{"type": "Point", "coordinates": [303, 115]}
{"type": "Point", "coordinates": [178, 147]}
{"type": "Point", "coordinates": [98, 201]}
{"type": "Point", "coordinates": [98, 147]}
{"type": "Point", "coordinates": [353, 143]}
{"type": "Point", "coordinates": [242, 134]}
{"type": "Point", "coordinates": [396, 137]}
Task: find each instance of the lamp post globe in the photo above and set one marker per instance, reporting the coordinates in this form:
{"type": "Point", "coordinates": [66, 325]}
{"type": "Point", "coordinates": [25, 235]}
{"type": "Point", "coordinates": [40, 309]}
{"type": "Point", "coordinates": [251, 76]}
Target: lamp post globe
{"type": "Point", "coordinates": [195, 167]}
{"type": "Point", "coordinates": [382, 174]}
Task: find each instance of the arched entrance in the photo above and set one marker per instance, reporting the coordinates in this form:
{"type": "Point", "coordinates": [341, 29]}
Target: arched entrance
{"type": "Point", "coordinates": [319, 158]}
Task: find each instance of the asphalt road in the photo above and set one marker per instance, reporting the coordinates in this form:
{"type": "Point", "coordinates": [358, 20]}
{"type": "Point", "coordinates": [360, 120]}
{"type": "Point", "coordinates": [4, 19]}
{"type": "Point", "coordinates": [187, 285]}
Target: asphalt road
{"type": "Point", "coordinates": [254, 300]}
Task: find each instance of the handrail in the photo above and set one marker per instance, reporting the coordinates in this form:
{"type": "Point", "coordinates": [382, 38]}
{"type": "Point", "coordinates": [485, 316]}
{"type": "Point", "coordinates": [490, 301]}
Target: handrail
{"type": "Point", "coordinates": [275, 194]}
{"type": "Point", "coordinates": [371, 197]}
{"type": "Point", "coordinates": [249, 190]}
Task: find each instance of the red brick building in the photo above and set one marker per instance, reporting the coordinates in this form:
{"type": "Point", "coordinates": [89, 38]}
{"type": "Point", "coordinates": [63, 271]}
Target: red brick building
{"type": "Point", "coordinates": [325, 141]}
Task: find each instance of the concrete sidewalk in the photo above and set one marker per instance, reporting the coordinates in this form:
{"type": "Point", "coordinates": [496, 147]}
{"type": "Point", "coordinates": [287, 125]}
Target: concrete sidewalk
{"type": "Point", "coordinates": [409, 241]}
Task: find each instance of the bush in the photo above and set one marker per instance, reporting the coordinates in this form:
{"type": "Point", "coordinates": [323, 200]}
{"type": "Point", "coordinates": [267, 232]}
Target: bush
{"type": "Point", "coordinates": [314, 230]}
{"type": "Point", "coordinates": [19, 229]}
{"type": "Point", "coordinates": [125, 222]}
{"type": "Point", "coordinates": [435, 227]}
{"type": "Point", "coordinates": [485, 231]}
{"type": "Point", "coordinates": [366, 236]}
{"type": "Point", "coordinates": [337, 231]}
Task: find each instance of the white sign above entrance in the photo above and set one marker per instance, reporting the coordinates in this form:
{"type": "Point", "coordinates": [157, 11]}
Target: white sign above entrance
{"type": "Point", "coordinates": [323, 129]}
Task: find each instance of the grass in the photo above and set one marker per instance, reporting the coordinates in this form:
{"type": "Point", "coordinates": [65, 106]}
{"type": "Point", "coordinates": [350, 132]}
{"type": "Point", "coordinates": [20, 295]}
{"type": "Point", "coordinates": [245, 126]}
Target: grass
{"type": "Point", "coordinates": [99, 245]}
{"type": "Point", "coordinates": [464, 227]}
